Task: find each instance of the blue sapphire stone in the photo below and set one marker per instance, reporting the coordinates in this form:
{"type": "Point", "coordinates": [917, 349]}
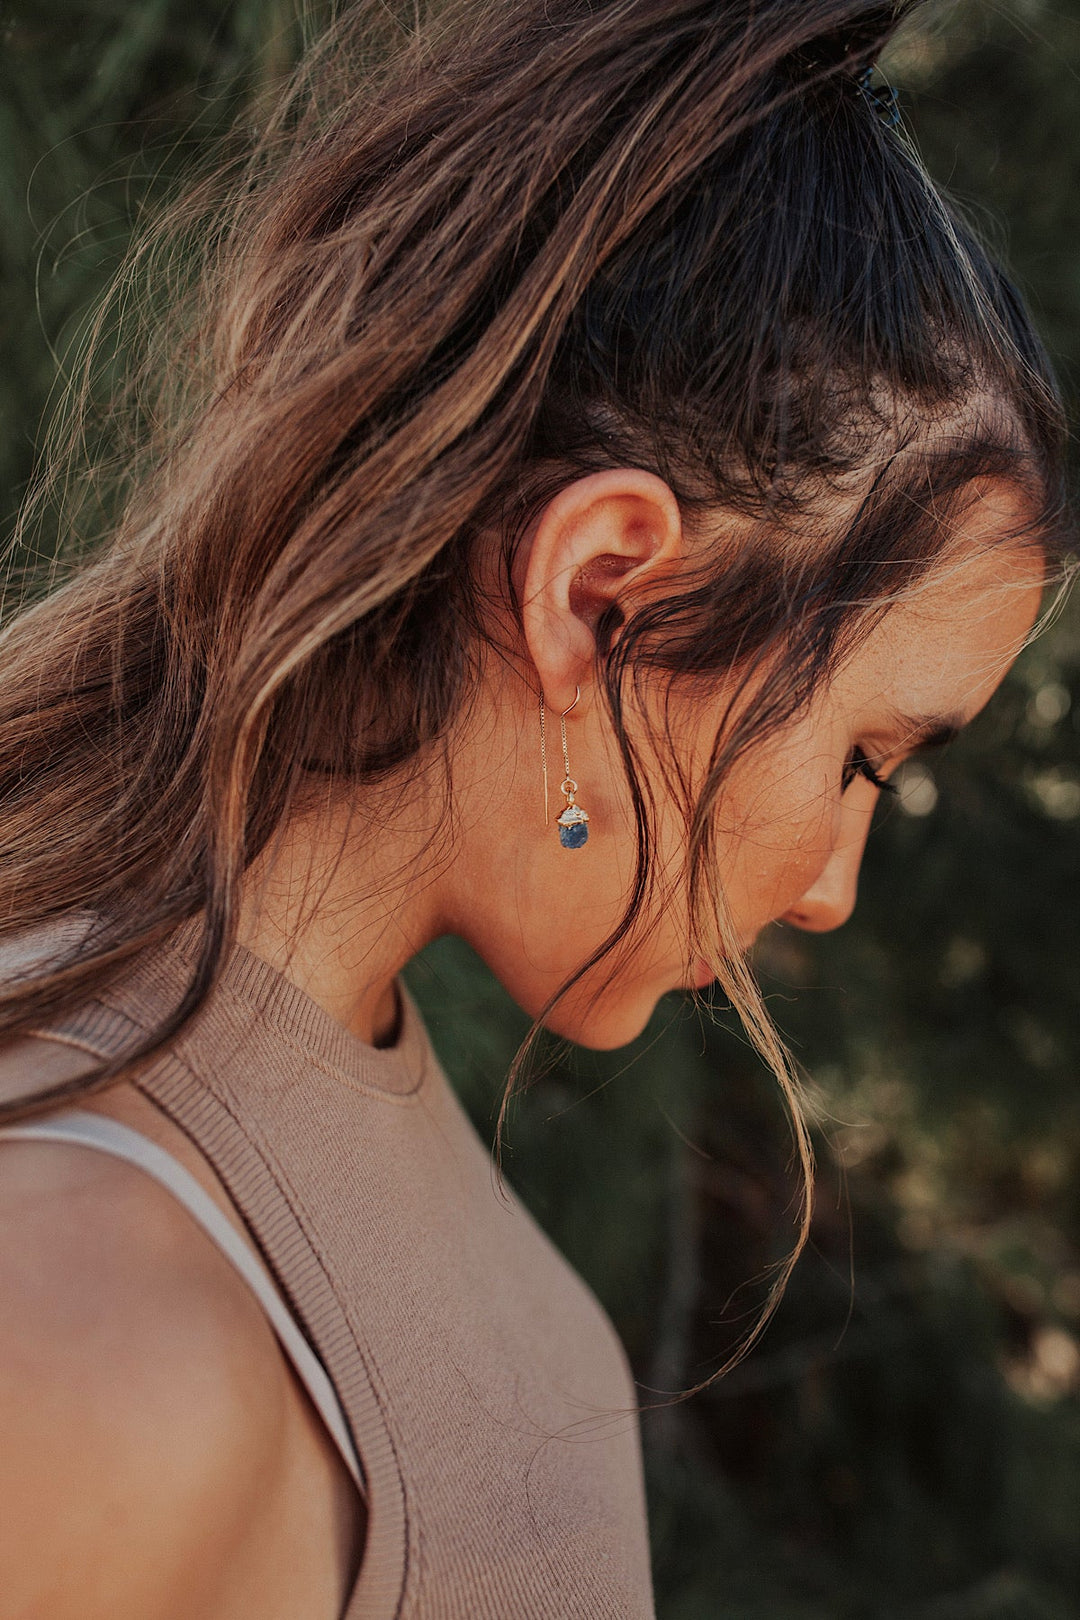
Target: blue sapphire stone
{"type": "Point", "coordinates": [574, 836]}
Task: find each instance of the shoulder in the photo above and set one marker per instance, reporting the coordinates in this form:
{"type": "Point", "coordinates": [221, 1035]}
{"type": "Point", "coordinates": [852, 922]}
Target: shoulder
{"type": "Point", "coordinates": [141, 1392]}
{"type": "Point", "coordinates": [36, 1063]}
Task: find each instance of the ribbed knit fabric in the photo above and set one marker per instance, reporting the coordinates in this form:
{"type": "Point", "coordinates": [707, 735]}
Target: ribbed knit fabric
{"type": "Point", "coordinates": [488, 1395]}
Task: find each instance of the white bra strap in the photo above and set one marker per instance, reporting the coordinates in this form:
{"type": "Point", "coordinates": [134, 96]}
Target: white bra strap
{"type": "Point", "coordinates": [109, 1136]}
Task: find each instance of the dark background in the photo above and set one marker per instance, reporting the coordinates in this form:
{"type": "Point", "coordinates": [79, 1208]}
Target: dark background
{"type": "Point", "coordinates": [906, 1440]}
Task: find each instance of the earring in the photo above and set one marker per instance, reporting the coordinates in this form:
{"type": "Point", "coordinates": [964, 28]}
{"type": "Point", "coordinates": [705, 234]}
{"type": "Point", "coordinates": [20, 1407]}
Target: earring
{"type": "Point", "coordinates": [573, 823]}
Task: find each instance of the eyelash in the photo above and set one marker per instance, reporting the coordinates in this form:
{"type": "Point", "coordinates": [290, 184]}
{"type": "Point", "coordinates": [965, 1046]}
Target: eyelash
{"type": "Point", "coordinates": [859, 765]}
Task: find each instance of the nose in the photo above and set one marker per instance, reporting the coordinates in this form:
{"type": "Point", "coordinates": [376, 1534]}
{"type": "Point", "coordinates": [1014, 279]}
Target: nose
{"type": "Point", "coordinates": [830, 898]}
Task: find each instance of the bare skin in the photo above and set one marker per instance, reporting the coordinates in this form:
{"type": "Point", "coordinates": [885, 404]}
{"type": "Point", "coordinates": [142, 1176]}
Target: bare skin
{"type": "Point", "coordinates": [160, 1459]}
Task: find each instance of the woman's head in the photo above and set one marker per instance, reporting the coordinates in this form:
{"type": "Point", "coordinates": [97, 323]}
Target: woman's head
{"type": "Point", "coordinates": [790, 821]}
{"type": "Point", "coordinates": [622, 348]}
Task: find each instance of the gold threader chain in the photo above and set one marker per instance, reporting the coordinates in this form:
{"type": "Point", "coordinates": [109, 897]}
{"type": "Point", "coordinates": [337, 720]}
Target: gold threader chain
{"type": "Point", "coordinates": [569, 786]}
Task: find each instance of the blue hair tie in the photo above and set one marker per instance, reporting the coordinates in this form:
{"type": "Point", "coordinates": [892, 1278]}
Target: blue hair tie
{"type": "Point", "coordinates": [882, 97]}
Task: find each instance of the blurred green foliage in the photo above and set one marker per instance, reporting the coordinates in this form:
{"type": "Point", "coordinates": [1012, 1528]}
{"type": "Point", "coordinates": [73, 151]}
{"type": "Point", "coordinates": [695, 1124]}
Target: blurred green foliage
{"type": "Point", "coordinates": [906, 1441]}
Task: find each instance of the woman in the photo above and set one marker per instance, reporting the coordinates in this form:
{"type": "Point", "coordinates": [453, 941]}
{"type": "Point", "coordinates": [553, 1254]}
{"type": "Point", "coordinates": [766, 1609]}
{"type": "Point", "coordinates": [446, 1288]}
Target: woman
{"type": "Point", "coordinates": [598, 459]}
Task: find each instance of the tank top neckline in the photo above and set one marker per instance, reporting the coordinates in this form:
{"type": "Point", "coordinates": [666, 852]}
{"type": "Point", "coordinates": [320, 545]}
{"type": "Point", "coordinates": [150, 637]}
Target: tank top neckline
{"type": "Point", "coordinates": [265, 991]}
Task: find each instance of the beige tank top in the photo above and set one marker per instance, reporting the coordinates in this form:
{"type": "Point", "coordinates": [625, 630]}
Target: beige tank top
{"type": "Point", "coordinates": [487, 1395]}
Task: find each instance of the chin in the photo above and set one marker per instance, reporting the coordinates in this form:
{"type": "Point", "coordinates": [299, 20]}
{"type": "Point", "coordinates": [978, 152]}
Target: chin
{"type": "Point", "coordinates": [610, 1022]}
{"type": "Point", "coordinates": [601, 1017]}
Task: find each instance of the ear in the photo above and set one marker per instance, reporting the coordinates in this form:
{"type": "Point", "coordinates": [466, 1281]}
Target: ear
{"type": "Point", "coordinates": [603, 538]}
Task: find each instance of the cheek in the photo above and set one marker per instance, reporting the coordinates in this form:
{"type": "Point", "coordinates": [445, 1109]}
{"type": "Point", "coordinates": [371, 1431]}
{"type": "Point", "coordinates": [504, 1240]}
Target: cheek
{"type": "Point", "coordinates": [771, 857]}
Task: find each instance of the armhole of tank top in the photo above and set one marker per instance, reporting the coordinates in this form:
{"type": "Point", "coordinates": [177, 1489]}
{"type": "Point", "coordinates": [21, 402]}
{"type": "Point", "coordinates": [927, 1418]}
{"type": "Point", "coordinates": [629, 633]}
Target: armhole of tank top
{"type": "Point", "coordinates": [107, 1135]}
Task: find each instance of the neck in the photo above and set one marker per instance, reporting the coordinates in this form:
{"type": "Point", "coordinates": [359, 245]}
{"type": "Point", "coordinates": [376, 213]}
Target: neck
{"type": "Point", "coordinates": [339, 909]}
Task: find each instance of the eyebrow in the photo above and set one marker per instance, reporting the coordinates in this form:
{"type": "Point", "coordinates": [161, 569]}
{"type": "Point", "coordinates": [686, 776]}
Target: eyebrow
{"type": "Point", "coordinates": [927, 730]}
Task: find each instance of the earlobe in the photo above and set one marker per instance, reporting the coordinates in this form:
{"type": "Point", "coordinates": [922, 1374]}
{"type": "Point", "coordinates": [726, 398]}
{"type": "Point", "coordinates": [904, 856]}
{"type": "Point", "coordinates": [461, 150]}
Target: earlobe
{"type": "Point", "coordinates": [602, 540]}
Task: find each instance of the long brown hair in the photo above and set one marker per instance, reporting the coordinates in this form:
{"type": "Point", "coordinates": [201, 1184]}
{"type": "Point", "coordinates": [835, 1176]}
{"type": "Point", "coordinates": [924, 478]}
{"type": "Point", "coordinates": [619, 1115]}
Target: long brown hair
{"type": "Point", "coordinates": [464, 262]}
